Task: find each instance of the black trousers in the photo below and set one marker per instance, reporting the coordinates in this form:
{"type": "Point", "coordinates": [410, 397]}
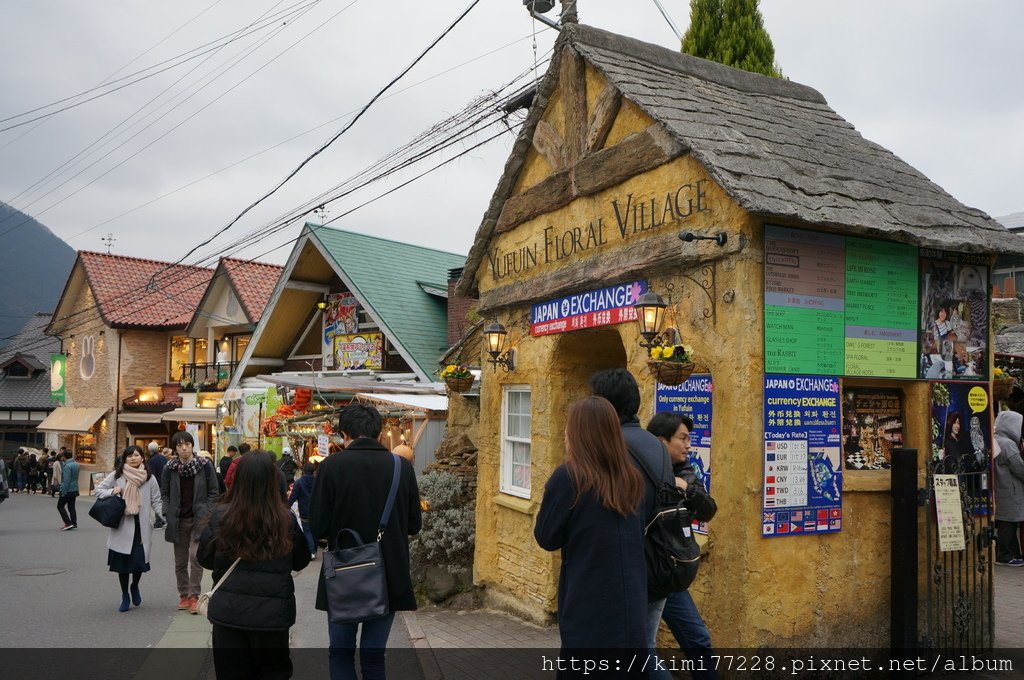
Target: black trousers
{"type": "Point", "coordinates": [251, 654]}
{"type": "Point", "coordinates": [67, 500]}
{"type": "Point", "coordinates": [1007, 541]}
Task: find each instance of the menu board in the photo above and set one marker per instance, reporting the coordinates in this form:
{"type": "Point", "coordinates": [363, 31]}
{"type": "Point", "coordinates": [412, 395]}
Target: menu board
{"type": "Point", "coordinates": [839, 305]}
{"type": "Point", "coordinates": [803, 473]}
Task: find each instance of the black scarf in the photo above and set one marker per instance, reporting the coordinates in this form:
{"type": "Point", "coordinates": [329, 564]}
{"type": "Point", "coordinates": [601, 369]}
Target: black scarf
{"type": "Point", "coordinates": [186, 470]}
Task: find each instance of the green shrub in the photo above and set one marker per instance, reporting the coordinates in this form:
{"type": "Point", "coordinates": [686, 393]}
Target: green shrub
{"type": "Point", "coordinates": [449, 527]}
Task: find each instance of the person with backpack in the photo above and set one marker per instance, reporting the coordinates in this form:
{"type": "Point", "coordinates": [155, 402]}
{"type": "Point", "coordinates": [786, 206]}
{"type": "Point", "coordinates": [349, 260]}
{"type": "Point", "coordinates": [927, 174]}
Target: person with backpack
{"type": "Point", "coordinates": [591, 512]}
{"type": "Point", "coordinates": [680, 612]}
{"type": "Point", "coordinates": [188, 491]}
{"type": "Point", "coordinates": [302, 493]}
{"type": "Point", "coordinates": [618, 386]}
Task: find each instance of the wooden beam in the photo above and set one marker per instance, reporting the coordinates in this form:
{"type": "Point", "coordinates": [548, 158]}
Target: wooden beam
{"type": "Point", "coordinates": [549, 144]}
{"type": "Point", "coordinates": [265, 361]}
{"type": "Point", "coordinates": [310, 286]}
{"type": "Point", "coordinates": [606, 108]}
{"type": "Point", "coordinates": [637, 153]}
{"type": "Point", "coordinates": [573, 84]}
{"type": "Point", "coordinates": [549, 194]}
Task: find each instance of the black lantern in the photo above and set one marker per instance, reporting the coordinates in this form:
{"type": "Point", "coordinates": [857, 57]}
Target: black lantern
{"type": "Point", "coordinates": [650, 312]}
{"type": "Point", "coordinates": [494, 338]}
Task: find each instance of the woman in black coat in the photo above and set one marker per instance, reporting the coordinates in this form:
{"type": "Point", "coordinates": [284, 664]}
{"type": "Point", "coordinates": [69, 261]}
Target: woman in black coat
{"type": "Point", "coordinates": [254, 607]}
{"type": "Point", "coordinates": [590, 511]}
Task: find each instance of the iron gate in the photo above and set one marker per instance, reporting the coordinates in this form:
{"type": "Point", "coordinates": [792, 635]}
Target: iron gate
{"type": "Point", "coordinates": [959, 603]}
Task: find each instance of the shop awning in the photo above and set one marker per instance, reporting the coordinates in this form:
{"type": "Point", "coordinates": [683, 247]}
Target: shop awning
{"type": "Point", "coordinates": [421, 402]}
{"type": "Point", "coordinates": [353, 384]}
{"type": "Point", "coordinates": [191, 415]}
{"type": "Point", "coordinates": [71, 419]}
{"type": "Point", "coordinates": [134, 417]}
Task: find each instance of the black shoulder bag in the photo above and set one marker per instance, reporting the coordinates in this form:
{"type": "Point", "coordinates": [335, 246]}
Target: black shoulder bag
{"type": "Point", "coordinates": [670, 550]}
{"type": "Point", "coordinates": [354, 578]}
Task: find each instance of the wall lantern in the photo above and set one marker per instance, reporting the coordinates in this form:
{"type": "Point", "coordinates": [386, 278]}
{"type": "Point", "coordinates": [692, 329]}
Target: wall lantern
{"type": "Point", "coordinates": [321, 304]}
{"type": "Point", "coordinates": [650, 313]}
{"type": "Point", "coordinates": [494, 338]}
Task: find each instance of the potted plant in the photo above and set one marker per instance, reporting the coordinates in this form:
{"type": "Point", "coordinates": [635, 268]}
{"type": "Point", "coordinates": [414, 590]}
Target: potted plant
{"type": "Point", "coordinates": [187, 385]}
{"type": "Point", "coordinates": [457, 377]}
{"type": "Point", "coordinates": [1002, 384]}
{"type": "Point", "coordinates": [671, 364]}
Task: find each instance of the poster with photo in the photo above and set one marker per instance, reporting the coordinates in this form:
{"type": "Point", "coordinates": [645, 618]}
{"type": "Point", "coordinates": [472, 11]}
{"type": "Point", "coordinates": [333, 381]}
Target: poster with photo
{"type": "Point", "coordinates": [341, 316]}
{"type": "Point", "coordinates": [954, 318]}
{"type": "Point", "coordinates": [872, 427]}
{"type": "Point", "coordinates": [692, 399]}
{"type": "Point", "coordinates": [962, 439]}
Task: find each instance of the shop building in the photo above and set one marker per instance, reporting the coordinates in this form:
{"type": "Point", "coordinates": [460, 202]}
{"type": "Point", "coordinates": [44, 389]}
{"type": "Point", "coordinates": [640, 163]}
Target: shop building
{"type": "Point", "coordinates": [800, 261]}
{"type": "Point", "coordinates": [352, 316]}
{"type": "Point", "coordinates": [117, 320]}
{"type": "Point", "coordinates": [25, 387]}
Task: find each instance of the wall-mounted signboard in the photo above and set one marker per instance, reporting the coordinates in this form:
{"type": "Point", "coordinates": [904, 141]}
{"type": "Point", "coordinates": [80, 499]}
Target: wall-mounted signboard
{"type": "Point", "coordinates": [954, 316]}
{"type": "Point", "coordinates": [839, 305]}
{"type": "Point", "coordinates": [692, 399]}
{"type": "Point", "coordinates": [601, 307]}
{"type": "Point", "coordinates": [803, 474]}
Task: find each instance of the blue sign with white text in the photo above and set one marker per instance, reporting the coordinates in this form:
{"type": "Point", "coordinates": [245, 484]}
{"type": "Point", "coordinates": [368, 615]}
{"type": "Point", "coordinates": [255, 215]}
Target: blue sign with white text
{"type": "Point", "coordinates": [601, 307]}
{"type": "Point", "coordinates": [803, 474]}
{"type": "Point", "coordinates": [692, 399]}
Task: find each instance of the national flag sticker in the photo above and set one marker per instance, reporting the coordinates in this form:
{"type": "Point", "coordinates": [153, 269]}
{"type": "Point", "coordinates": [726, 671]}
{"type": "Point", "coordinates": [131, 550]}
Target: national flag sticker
{"type": "Point", "coordinates": [767, 529]}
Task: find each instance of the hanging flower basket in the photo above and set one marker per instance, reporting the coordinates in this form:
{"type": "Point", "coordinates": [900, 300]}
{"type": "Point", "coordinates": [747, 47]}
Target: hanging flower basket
{"type": "Point", "coordinates": [1001, 388]}
{"type": "Point", "coordinates": [459, 384]}
{"type": "Point", "coordinates": [670, 372]}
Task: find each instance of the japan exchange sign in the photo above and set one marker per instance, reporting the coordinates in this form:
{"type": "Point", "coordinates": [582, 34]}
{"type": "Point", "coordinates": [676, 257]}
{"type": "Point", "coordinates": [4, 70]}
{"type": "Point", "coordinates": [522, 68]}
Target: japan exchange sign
{"type": "Point", "coordinates": [803, 482]}
{"type": "Point", "coordinates": [602, 307]}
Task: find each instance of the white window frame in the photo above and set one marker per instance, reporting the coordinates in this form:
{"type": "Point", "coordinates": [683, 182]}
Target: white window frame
{"type": "Point", "coordinates": [508, 441]}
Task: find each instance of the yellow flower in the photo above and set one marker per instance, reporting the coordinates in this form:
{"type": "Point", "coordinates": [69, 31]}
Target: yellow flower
{"type": "Point", "coordinates": [656, 353]}
{"type": "Point", "coordinates": [667, 352]}
{"type": "Point", "coordinates": [999, 373]}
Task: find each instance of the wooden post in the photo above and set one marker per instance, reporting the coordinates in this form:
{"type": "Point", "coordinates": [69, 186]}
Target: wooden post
{"type": "Point", "coordinates": [568, 15]}
{"type": "Point", "coordinates": [903, 550]}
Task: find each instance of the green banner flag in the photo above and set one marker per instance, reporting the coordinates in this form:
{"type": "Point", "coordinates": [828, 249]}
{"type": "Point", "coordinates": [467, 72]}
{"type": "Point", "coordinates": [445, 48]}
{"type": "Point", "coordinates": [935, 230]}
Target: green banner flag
{"type": "Point", "coordinates": [58, 367]}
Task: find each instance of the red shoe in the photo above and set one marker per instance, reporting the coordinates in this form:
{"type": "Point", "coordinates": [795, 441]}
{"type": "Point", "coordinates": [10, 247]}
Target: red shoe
{"type": "Point", "coordinates": [193, 605]}
{"type": "Point", "coordinates": [184, 603]}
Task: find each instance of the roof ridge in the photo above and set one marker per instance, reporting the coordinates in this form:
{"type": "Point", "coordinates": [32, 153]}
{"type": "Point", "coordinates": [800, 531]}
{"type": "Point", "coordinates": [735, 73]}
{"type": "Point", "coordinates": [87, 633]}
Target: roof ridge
{"type": "Point", "coordinates": [141, 259]}
{"type": "Point", "coordinates": [316, 227]}
{"type": "Point", "coordinates": [252, 262]}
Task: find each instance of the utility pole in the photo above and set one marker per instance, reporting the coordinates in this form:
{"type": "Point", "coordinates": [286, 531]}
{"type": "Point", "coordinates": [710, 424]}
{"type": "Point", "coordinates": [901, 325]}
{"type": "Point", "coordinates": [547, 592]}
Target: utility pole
{"type": "Point", "coordinates": [109, 241]}
{"type": "Point", "coordinates": [569, 12]}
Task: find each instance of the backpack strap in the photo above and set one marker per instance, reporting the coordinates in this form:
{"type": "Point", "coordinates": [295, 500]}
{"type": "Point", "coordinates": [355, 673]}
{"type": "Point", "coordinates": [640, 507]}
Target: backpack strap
{"type": "Point", "coordinates": [391, 496]}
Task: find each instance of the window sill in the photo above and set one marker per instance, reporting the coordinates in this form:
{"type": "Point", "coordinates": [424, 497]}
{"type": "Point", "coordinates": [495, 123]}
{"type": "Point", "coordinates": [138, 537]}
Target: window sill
{"type": "Point", "coordinates": [523, 505]}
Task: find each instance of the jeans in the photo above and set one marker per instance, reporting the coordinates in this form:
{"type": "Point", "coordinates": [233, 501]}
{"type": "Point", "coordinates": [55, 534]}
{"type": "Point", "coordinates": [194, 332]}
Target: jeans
{"type": "Point", "coordinates": [654, 610]}
{"type": "Point", "coordinates": [20, 480]}
{"type": "Point", "coordinates": [373, 640]}
{"type": "Point", "coordinates": [688, 627]}
{"type": "Point", "coordinates": [67, 500]}
{"type": "Point", "coordinates": [308, 533]}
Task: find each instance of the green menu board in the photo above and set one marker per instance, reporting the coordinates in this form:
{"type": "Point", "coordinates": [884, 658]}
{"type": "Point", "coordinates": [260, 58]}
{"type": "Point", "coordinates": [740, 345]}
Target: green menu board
{"type": "Point", "coordinates": [838, 305]}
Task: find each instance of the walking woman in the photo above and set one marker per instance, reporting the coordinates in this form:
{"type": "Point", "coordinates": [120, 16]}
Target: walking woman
{"type": "Point", "coordinates": [188, 489]}
{"type": "Point", "coordinates": [128, 545]}
{"type": "Point", "coordinates": [590, 511]}
{"type": "Point", "coordinates": [254, 607]}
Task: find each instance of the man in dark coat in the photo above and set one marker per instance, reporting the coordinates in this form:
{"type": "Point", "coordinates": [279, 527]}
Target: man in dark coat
{"type": "Point", "coordinates": [157, 461]}
{"type": "Point", "coordinates": [618, 386]}
{"type": "Point", "coordinates": [350, 493]}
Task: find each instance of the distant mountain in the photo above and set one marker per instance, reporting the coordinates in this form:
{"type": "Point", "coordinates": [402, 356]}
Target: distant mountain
{"type": "Point", "coordinates": [34, 265]}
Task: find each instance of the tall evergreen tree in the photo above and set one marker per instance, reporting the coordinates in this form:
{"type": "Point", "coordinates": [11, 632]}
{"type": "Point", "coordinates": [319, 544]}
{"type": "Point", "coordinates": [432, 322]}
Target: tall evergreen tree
{"type": "Point", "coordinates": [731, 32]}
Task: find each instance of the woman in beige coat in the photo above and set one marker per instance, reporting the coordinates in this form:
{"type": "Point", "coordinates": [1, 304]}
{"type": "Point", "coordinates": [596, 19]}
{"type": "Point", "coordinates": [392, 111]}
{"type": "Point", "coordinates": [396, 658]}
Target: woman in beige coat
{"type": "Point", "coordinates": [128, 544]}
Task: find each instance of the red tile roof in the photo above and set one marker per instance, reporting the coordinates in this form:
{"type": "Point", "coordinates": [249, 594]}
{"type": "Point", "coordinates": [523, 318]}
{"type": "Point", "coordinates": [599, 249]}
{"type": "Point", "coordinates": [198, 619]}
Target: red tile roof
{"type": "Point", "coordinates": [254, 283]}
{"type": "Point", "coordinates": [126, 298]}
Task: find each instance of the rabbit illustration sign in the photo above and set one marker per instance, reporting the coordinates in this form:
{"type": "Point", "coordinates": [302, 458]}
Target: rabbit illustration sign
{"type": "Point", "coordinates": [87, 364]}
{"type": "Point", "coordinates": [58, 365]}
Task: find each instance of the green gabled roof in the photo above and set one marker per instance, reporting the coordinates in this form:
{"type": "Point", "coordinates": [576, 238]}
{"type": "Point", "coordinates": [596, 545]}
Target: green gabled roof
{"type": "Point", "coordinates": [385, 277]}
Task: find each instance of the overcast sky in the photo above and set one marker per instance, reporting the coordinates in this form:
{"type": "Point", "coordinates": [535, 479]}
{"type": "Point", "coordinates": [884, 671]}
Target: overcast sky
{"type": "Point", "coordinates": [936, 81]}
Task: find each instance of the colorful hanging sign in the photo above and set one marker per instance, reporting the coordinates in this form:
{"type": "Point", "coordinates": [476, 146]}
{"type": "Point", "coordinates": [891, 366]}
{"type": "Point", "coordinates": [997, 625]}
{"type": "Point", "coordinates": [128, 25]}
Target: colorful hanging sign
{"type": "Point", "coordinates": [962, 439]}
{"type": "Point", "coordinates": [839, 305]}
{"type": "Point", "coordinates": [602, 307]}
{"type": "Point", "coordinates": [341, 316]}
{"type": "Point", "coordinates": [954, 316]}
{"type": "Point", "coordinates": [362, 351]}
{"type": "Point", "coordinates": [803, 474]}
{"type": "Point", "coordinates": [692, 399]}
{"type": "Point", "coordinates": [58, 373]}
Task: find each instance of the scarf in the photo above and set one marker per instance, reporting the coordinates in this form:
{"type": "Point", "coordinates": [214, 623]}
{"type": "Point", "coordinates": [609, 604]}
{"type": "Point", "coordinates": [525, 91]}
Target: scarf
{"type": "Point", "coordinates": [133, 478]}
{"type": "Point", "coordinates": [186, 470]}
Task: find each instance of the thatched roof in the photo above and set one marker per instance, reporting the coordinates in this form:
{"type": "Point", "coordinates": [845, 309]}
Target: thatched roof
{"type": "Point", "coordinates": [774, 146]}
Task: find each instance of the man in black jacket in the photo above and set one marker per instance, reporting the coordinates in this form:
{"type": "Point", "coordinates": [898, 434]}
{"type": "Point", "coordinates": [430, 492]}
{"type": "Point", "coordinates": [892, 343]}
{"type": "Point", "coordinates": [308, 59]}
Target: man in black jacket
{"type": "Point", "coordinates": [350, 493]}
{"type": "Point", "coordinates": [618, 386]}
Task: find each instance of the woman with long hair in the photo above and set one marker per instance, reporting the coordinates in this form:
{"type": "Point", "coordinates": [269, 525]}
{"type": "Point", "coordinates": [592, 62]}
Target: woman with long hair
{"type": "Point", "coordinates": [958, 453]}
{"type": "Point", "coordinates": [254, 607]}
{"type": "Point", "coordinates": [128, 545]}
{"type": "Point", "coordinates": [591, 512]}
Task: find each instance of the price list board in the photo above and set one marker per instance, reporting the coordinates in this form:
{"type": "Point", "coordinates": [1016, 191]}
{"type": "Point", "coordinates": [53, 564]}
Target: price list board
{"type": "Point", "coordinates": [804, 297]}
{"type": "Point", "coordinates": [803, 474]}
{"type": "Point", "coordinates": [838, 305]}
{"type": "Point", "coordinates": [881, 309]}
{"type": "Point", "coordinates": [693, 399]}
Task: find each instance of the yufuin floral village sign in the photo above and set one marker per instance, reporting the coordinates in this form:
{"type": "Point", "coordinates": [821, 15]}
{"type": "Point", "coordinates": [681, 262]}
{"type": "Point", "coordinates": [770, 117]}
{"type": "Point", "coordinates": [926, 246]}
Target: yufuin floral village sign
{"type": "Point", "coordinates": [622, 219]}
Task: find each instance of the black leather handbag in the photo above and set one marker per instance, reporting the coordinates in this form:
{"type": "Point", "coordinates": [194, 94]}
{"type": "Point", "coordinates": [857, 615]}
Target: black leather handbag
{"type": "Point", "coordinates": [108, 511]}
{"type": "Point", "coordinates": [354, 577]}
